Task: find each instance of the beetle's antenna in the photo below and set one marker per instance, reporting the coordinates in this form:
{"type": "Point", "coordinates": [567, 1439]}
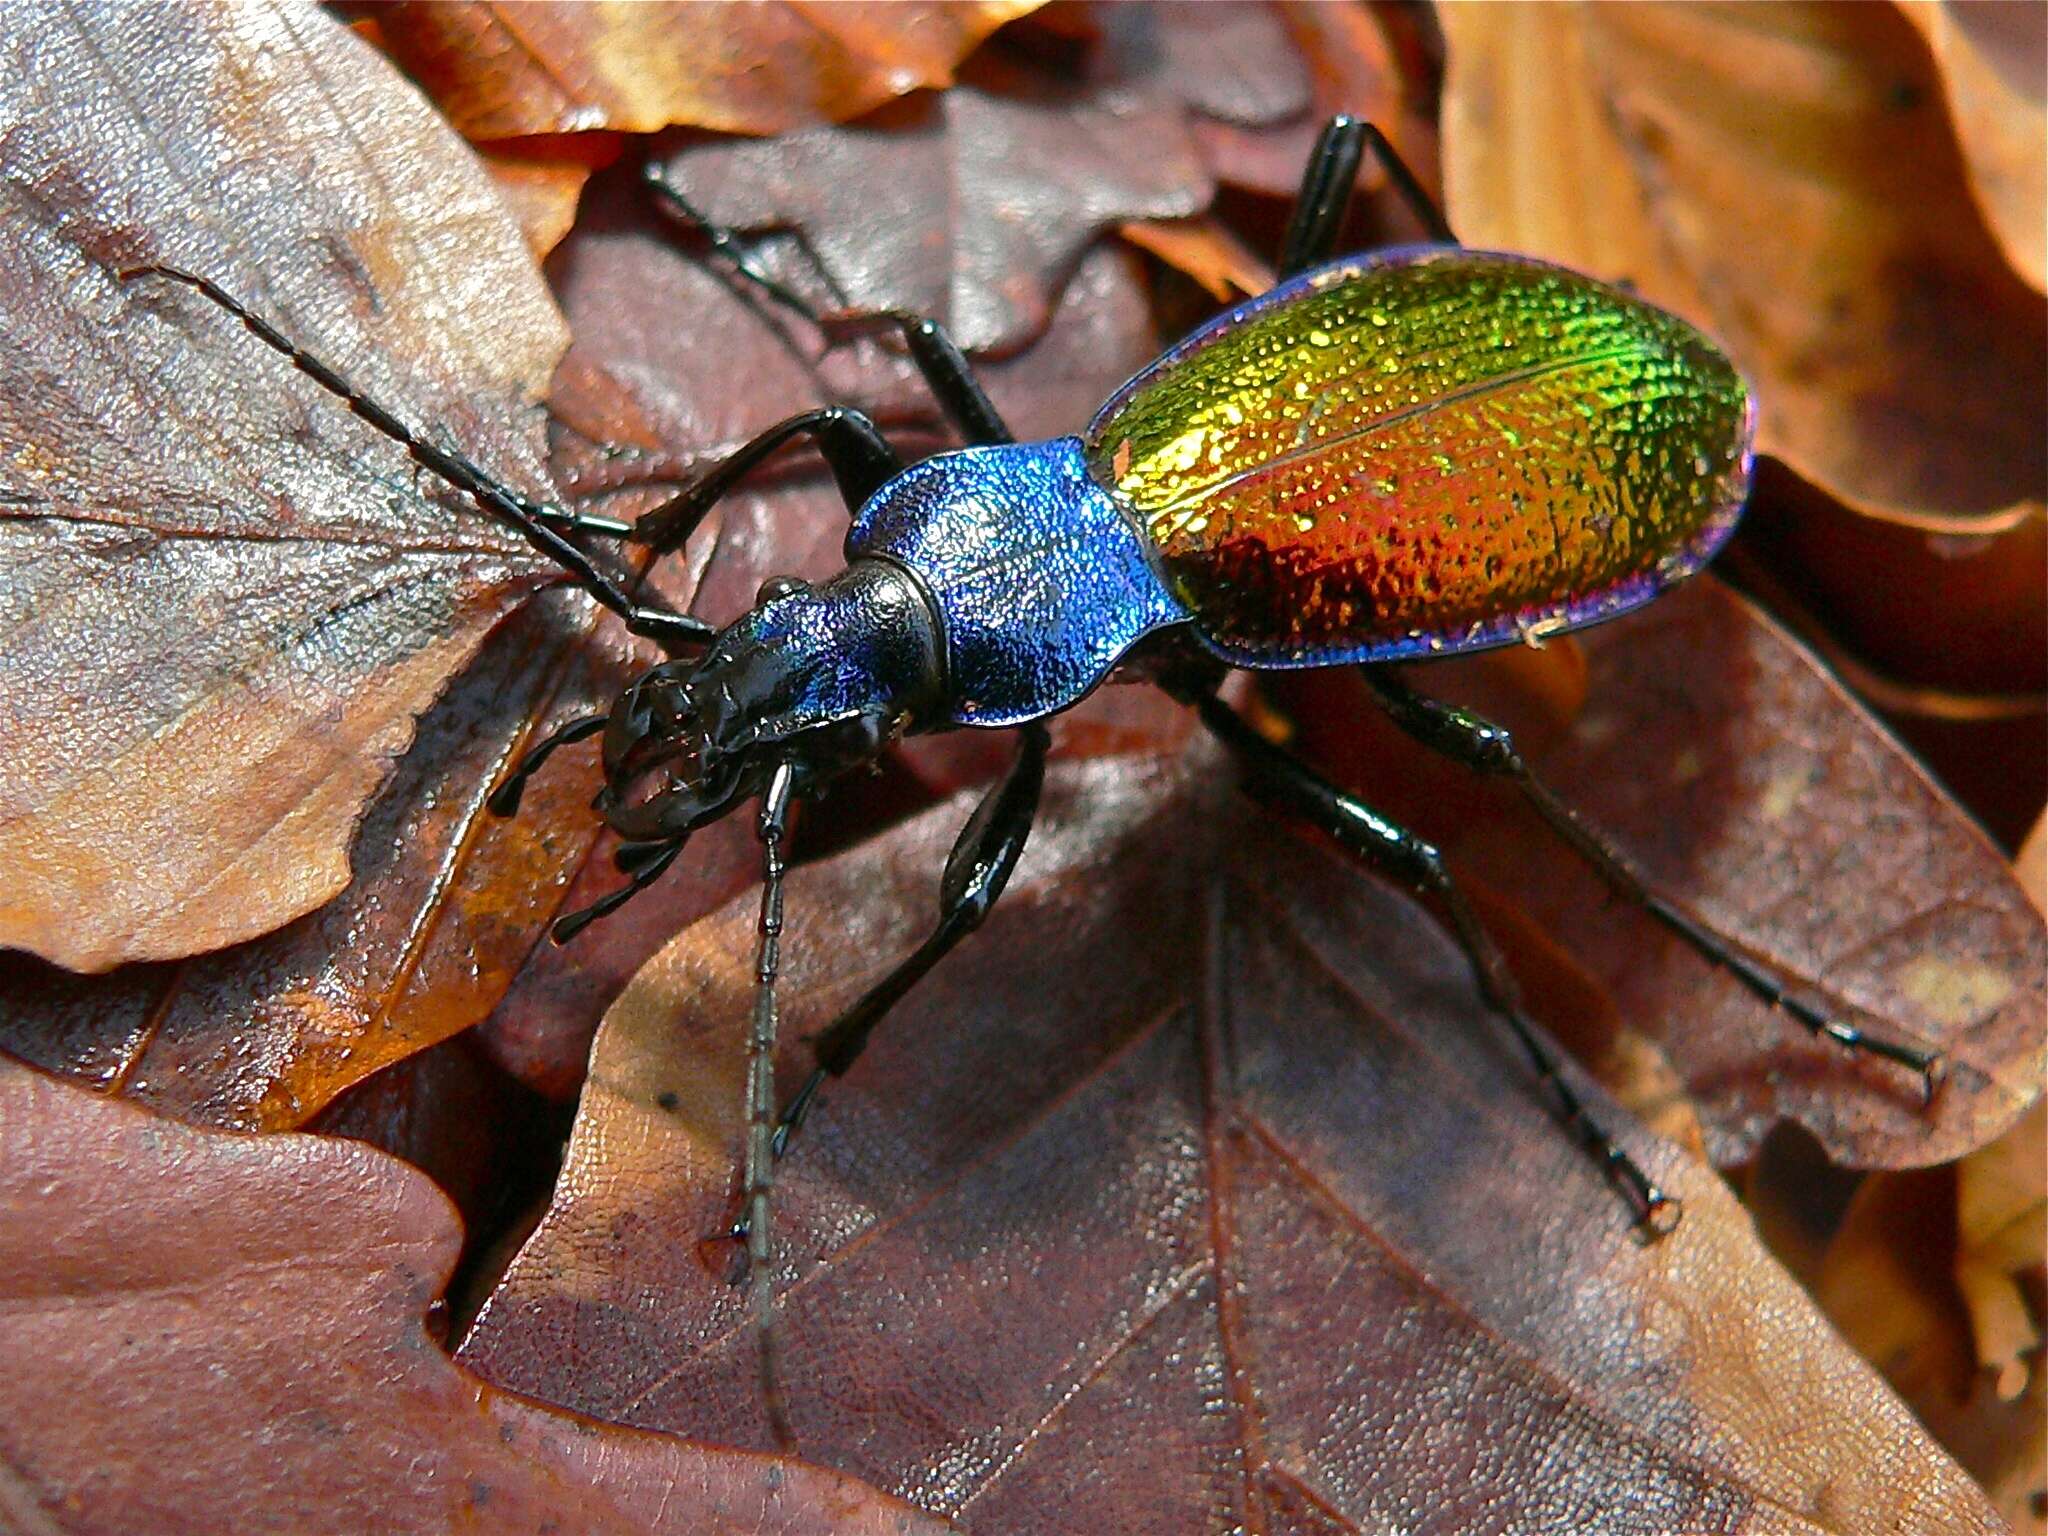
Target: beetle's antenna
{"type": "Point", "coordinates": [541, 525]}
{"type": "Point", "coordinates": [760, 1160]}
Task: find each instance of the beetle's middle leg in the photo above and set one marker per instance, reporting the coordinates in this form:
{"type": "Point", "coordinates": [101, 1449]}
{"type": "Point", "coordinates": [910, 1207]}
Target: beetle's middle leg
{"type": "Point", "coordinates": [1488, 748]}
{"type": "Point", "coordinates": [1276, 777]}
{"type": "Point", "coordinates": [1326, 187]}
{"type": "Point", "coordinates": [945, 368]}
{"type": "Point", "coordinates": [983, 858]}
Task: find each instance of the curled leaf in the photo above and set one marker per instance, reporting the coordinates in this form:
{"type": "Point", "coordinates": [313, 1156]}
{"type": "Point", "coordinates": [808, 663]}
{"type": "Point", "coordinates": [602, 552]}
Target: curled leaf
{"type": "Point", "coordinates": [1992, 60]}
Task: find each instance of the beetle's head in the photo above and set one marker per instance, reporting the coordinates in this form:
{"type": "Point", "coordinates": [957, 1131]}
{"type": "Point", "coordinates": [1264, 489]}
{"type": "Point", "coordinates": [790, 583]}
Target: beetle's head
{"type": "Point", "coordinates": [816, 677]}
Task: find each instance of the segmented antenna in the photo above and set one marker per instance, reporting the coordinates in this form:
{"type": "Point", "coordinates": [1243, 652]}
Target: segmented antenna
{"type": "Point", "coordinates": [541, 525]}
{"type": "Point", "coordinates": [760, 1161]}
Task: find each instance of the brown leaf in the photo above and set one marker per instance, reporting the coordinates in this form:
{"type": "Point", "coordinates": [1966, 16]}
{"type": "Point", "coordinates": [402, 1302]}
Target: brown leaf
{"type": "Point", "coordinates": [209, 1333]}
{"type": "Point", "coordinates": [1785, 176]}
{"type": "Point", "coordinates": [1887, 1284]}
{"type": "Point", "coordinates": [542, 178]}
{"type": "Point", "coordinates": [973, 206]}
{"type": "Point", "coordinates": [1748, 788]}
{"type": "Point", "coordinates": [1195, 1193]}
{"type": "Point", "coordinates": [501, 71]}
{"type": "Point", "coordinates": [1992, 59]}
{"type": "Point", "coordinates": [225, 599]}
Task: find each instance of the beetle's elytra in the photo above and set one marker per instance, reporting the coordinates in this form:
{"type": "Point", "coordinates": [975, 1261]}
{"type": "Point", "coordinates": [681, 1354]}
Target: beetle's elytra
{"type": "Point", "coordinates": [1416, 453]}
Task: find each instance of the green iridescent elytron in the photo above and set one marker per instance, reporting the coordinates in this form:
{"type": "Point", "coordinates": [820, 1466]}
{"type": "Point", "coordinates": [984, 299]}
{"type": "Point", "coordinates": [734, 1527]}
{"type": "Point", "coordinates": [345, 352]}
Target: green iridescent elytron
{"type": "Point", "coordinates": [1441, 447]}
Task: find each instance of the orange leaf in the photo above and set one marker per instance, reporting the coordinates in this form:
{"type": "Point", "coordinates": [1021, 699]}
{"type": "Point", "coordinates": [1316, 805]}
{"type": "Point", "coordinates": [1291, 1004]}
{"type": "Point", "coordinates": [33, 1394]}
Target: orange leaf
{"type": "Point", "coordinates": [505, 71]}
{"type": "Point", "coordinates": [1785, 176]}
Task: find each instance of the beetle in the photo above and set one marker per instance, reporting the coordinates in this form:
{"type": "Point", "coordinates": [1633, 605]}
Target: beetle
{"type": "Point", "coordinates": [1424, 451]}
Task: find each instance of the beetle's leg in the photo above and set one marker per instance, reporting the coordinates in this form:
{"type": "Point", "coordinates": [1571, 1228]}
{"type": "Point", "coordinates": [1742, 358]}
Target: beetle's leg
{"type": "Point", "coordinates": [980, 865]}
{"type": "Point", "coordinates": [944, 366]}
{"type": "Point", "coordinates": [852, 446]}
{"type": "Point", "coordinates": [1326, 187]}
{"type": "Point", "coordinates": [1488, 748]}
{"type": "Point", "coordinates": [646, 862]}
{"type": "Point", "coordinates": [504, 800]}
{"type": "Point", "coordinates": [538, 523]}
{"type": "Point", "coordinates": [1277, 778]}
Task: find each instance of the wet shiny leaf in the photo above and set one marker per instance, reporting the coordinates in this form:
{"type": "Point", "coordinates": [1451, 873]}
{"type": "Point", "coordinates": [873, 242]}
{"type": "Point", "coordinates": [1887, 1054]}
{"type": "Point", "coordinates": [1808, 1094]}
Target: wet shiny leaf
{"type": "Point", "coordinates": [1195, 1193]}
{"type": "Point", "coordinates": [222, 598]}
{"type": "Point", "coordinates": [210, 1333]}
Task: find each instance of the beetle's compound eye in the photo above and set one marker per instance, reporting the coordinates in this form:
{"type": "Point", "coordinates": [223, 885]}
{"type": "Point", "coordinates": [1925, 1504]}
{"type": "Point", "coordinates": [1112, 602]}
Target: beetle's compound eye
{"type": "Point", "coordinates": [775, 588]}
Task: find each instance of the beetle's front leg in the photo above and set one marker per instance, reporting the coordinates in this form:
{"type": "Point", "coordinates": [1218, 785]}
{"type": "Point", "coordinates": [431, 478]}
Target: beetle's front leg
{"type": "Point", "coordinates": [983, 858]}
{"type": "Point", "coordinates": [852, 446]}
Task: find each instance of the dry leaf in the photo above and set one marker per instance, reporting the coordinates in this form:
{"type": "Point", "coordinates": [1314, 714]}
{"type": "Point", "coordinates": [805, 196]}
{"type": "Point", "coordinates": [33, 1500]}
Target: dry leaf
{"type": "Point", "coordinates": [1195, 1193]}
{"type": "Point", "coordinates": [1785, 176]}
{"type": "Point", "coordinates": [207, 1332]}
{"type": "Point", "coordinates": [225, 598]}
{"type": "Point", "coordinates": [505, 71]}
{"type": "Point", "coordinates": [1753, 792]}
{"type": "Point", "coordinates": [1993, 59]}
{"type": "Point", "coordinates": [1887, 1284]}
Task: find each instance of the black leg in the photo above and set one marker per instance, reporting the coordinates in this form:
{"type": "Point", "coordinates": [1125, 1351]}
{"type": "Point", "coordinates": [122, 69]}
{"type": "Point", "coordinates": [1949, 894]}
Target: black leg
{"type": "Point", "coordinates": [1326, 187]}
{"type": "Point", "coordinates": [980, 865]}
{"type": "Point", "coordinates": [644, 863]}
{"type": "Point", "coordinates": [1489, 749]}
{"type": "Point", "coordinates": [540, 525]}
{"type": "Point", "coordinates": [1274, 777]}
{"type": "Point", "coordinates": [944, 367]}
{"type": "Point", "coordinates": [504, 800]}
{"type": "Point", "coordinates": [852, 446]}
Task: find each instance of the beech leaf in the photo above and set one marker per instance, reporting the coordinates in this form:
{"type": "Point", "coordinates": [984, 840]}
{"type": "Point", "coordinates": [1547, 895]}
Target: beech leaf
{"type": "Point", "coordinates": [1196, 1192]}
{"type": "Point", "coordinates": [223, 599]}
{"type": "Point", "coordinates": [208, 1332]}
{"type": "Point", "coordinates": [1746, 785]}
{"type": "Point", "coordinates": [1785, 177]}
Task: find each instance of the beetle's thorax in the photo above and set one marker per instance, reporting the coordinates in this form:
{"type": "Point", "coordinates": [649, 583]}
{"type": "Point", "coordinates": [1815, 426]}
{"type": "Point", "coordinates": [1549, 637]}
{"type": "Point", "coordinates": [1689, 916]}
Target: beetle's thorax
{"type": "Point", "coordinates": [818, 676]}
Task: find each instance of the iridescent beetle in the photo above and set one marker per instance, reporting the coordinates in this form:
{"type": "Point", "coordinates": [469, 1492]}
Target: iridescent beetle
{"type": "Point", "coordinates": [1421, 452]}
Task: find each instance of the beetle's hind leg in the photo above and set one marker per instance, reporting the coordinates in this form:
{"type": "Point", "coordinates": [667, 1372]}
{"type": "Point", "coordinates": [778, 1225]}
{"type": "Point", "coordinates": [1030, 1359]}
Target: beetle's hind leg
{"type": "Point", "coordinates": [1327, 184]}
{"type": "Point", "coordinates": [1489, 749]}
{"type": "Point", "coordinates": [944, 367]}
{"type": "Point", "coordinates": [1276, 777]}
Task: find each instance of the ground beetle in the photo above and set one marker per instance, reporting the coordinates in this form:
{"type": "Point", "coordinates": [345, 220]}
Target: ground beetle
{"type": "Point", "coordinates": [1421, 452]}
